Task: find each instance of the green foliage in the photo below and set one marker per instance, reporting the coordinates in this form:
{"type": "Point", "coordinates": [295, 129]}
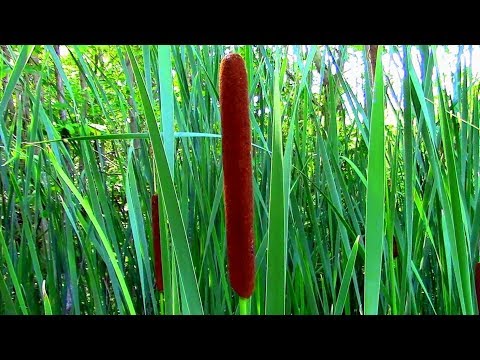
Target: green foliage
{"type": "Point", "coordinates": [342, 173]}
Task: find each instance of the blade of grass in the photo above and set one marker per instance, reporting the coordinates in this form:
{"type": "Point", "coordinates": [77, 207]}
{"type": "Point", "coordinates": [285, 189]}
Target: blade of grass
{"type": "Point", "coordinates": [346, 279]}
{"type": "Point", "coordinates": [374, 232]}
{"type": "Point", "coordinates": [277, 246]}
{"type": "Point", "coordinates": [22, 60]}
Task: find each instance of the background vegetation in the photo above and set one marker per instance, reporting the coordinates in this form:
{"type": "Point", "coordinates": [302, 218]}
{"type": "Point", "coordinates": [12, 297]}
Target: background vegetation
{"type": "Point", "coordinates": [394, 157]}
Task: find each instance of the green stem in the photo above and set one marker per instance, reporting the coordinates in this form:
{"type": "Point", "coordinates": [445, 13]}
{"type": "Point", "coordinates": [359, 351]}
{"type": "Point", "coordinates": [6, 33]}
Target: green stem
{"type": "Point", "coordinates": [162, 304]}
{"type": "Point", "coordinates": [244, 308]}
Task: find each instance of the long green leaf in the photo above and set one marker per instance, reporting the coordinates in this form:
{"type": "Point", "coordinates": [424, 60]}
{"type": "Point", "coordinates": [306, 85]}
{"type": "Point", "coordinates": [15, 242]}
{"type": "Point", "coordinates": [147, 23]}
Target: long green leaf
{"type": "Point", "coordinates": [374, 232]}
{"type": "Point", "coordinates": [277, 245]}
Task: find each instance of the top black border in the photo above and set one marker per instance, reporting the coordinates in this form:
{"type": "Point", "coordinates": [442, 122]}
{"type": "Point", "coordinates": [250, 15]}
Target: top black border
{"type": "Point", "coordinates": [186, 36]}
{"type": "Point", "coordinates": [197, 30]}
{"type": "Point", "coordinates": [238, 22]}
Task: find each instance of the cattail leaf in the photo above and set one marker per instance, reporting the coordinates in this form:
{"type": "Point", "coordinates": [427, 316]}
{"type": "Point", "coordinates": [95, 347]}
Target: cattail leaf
{"type": "Point", "coordinates": [166, 102]}
{"type": "Point", "coordinates": [374, 232]}
{"type": "Point", "coordinates": [277, 245]}
{"type": "Point", "coordinates": [346, 279]}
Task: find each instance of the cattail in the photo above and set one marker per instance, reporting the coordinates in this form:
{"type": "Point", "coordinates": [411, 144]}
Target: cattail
{"type": "Point", "coordinates": [156, 244]}
{"type": "Point", "coordinates": [237, 170]}
{"type": "Point", "coordinates": [477, 284]}
{"type": "Point", "coordinates": [372, 52]}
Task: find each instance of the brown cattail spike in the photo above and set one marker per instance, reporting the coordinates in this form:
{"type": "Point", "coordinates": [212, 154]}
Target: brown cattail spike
{"type": "Point", "coordinates": [237, 170]}
{"type": "Point", "coordinates": [477, 284]}
{"type": "Point", "coordinates": [156, 244]}
{"type": "Point", "coordinates": [372, 52]}
{"type": "Point", "coordinates": [395, 248]}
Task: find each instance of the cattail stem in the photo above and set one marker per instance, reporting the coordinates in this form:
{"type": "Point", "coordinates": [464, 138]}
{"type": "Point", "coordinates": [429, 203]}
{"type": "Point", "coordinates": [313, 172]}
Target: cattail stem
{"type": "Point", "coordinates": [237, 170]}
{"type": "Point", "coordinates": [162, 304]}
{"type": "Point", "coordinates": [243, 304]}
{"type": "Point", "coordinates": [157, 250]}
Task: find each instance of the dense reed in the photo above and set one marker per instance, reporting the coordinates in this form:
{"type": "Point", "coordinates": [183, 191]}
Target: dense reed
{"type": "Point", "coordinates": [237, 170]}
